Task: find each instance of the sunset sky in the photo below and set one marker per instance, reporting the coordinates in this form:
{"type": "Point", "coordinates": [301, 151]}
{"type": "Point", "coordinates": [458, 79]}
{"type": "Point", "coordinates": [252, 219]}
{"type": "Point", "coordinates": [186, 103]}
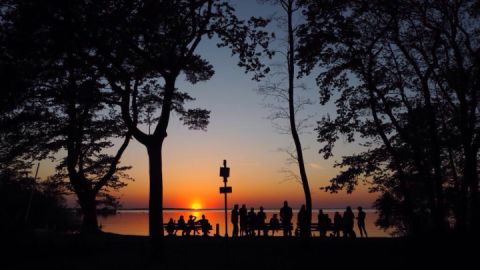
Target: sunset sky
{"type": "Point", "coordinates": [240, 133]}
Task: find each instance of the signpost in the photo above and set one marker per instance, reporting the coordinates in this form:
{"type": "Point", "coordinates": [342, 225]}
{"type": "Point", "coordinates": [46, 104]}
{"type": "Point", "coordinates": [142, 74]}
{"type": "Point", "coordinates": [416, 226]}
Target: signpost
{"type": "Point", "coordinates": [225, 173]}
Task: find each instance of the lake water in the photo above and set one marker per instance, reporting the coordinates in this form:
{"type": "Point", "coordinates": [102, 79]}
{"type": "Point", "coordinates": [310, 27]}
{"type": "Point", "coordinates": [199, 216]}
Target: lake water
{"type": "Point", "coordinates": [135, 222]}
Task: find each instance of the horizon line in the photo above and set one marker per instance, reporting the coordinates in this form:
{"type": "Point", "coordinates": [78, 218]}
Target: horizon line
{"type": "Point", "coordinates": [219, 209]}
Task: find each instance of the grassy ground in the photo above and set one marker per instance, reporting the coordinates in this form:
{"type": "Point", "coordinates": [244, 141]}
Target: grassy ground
{"type": "Point", "coordinates": [109, 251]}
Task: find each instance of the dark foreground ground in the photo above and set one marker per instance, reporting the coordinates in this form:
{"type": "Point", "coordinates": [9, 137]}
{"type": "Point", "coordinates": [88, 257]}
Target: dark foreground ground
{"type": "Point", "coordinates": [111, 251]}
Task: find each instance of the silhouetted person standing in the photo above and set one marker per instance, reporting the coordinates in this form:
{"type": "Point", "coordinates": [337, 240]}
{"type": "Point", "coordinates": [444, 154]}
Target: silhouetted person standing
{"type": "Point", "coordinates": [348, 220]}
{"type": "Point", "coordinates": [302, 221]}
{"type": "Point", "coordinates": [252, 221]}
{"type": "Point", "coordinates": [361, 222]}
{"type": "Point", "coordinates": [328, 221]}
{"type": "Point", "coordinates": [337, 224]}
{"type": "Point", "coordinates": [322, 226]}
{"type": "Point", "coordinates": [274, 224]}
{"type": "Point", "coordinates": [261, 217]}
{"type": "Point", "coordinates": [286, 215]}
{"type": "Point", "coordinates": [243, 220]}
{"type": "Point", "coordinates": [234, 218]}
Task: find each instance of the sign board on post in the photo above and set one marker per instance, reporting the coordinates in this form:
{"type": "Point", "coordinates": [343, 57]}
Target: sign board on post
{"type": "Point", "coordinates": [224, 172]}
{"type": "Point", "coordinates": [225, 189]}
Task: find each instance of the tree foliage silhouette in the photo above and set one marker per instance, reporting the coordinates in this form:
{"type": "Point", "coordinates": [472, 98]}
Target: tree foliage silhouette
{"type": "Point", "coordinates": [61, 110]}
{"type": "Point", "coordinates": [47, 204]}
{"type": "Point", "coordinates": [140, 49]}
{"type": "Point", "coordinates": [143, 47]}
{"type": "Point", "coordinates": [404, 75]}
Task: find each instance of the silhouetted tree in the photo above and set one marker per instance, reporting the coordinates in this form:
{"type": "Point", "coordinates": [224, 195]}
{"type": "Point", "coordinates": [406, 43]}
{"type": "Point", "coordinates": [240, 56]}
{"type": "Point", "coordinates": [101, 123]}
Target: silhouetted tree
{"type": "Point", "coordinates": [144, 47]}
{"type": "Point", "coordinates": [407, 77]}
{"type": "Point", "coordinates": [284, 91]}
{"type": "Point", "coordinates": [44, 202]}
{"type": "Point", "coordinates": [63, 109]}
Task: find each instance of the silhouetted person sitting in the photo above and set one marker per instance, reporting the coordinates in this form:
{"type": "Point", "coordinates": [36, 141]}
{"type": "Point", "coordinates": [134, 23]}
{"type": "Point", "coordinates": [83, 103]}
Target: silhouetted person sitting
{"type": "Point", "coordinates": [243, 220]}
{"type": "Point", "coordinates": [170, 227]}
{"type": "Point", "coordinates": [205, 225]}
{"type": "Point", "coordinates": [181, 225]}
{"type": "Point", "coordinates": [361, 222]}
{"type": "Point", "coordinates": [234, 218]}
{"type": "Point", "coordinates": [274, 224]}
{"type": "Point", "coordinates": [252, 220]}
{"type": "Point", "coordinates": [191, 224]}
{"type": "Point", "coordinates": [337, 224]}
{"type": "Point", "coordinates": [261, 217]}
{"type": "Point", "coordinates": [286, 215]}
{"type": "Point", "coordinates": [302, 221]}
{"type": "Point", "coordinates": [348, 220]}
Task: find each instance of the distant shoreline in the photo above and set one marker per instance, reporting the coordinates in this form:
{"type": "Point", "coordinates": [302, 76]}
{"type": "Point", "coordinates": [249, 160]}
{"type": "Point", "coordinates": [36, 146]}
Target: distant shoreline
{"type": "Point", "coordinates": [223, 209]}
{"type": "Point", "coordinates": [229, 209]}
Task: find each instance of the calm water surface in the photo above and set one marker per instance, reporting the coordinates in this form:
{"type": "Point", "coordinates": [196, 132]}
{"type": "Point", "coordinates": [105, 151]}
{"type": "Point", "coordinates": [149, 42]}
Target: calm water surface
{"type": "Point", "coordinates": [135, 222]}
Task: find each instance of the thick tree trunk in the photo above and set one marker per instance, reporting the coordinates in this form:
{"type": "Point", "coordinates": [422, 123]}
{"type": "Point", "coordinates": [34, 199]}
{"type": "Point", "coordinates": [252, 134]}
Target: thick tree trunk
{"type": "Point", "coordinates": [88, 204]}
{"type": "Point", "coordinates": [89, 211]}
{"type": "Point", "coordinates": [475, 206]}
{"type": "Point", "coordinates": [156, 192]}
{"type": "Point", "coordinates": [461, 211]}
{"type": "Point", "coordinates": [471, 179]}
{"type": "Point", "coordinates": [438, 204]}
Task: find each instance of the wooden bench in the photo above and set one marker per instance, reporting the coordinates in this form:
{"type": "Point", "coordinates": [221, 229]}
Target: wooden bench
{"type": "Point", "coordinates": [314, 227]}
{"type": "Point", "coordinates": [268, 227]}
{"type": "Point", "coordinates": [197, 228]}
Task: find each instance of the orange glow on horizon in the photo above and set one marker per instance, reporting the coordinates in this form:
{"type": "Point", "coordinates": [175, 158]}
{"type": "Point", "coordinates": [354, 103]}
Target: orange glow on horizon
{"type": "Point", "coordinates": [196, 206]}
{"type": "Point", "coordinates": [196, 214]}
{"type": "Point", "coordinates": [191, 180]}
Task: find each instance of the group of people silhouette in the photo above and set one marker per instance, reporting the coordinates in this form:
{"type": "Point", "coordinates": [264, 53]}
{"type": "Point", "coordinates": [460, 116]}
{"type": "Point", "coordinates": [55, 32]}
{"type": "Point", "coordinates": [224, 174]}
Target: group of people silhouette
{"type": "Point", "coordinates": [192, 225]}
{"type": "Point", "coordinates": [252, 223]}
{"type": "Point", "coordinates": [249, 223]}
{"type": "Point", "coordinates": [343, 223]}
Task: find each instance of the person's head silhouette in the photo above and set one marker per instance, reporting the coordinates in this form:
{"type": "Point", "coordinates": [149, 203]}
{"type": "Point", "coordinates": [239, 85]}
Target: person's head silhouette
{"type": "Point", "coordinates": [235, 206]}
{"type": "Point", "coordinates": [203, 216]}
{"type": "Point", "coordinates": [349, 209]}
{"type": "Point", "coordinates": [285, 203]}
{"type": "Point", "coordinates": [261, 208]}
{"type": "Point", "coordinates": [360, 208]}
{"type": "Point", "coordinates": [252, 209]}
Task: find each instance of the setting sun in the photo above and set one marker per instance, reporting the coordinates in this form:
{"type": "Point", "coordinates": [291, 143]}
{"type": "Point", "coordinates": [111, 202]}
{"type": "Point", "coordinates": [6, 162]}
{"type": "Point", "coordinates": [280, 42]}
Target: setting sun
{"type": "Point", "coordinates": [196, 205]}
